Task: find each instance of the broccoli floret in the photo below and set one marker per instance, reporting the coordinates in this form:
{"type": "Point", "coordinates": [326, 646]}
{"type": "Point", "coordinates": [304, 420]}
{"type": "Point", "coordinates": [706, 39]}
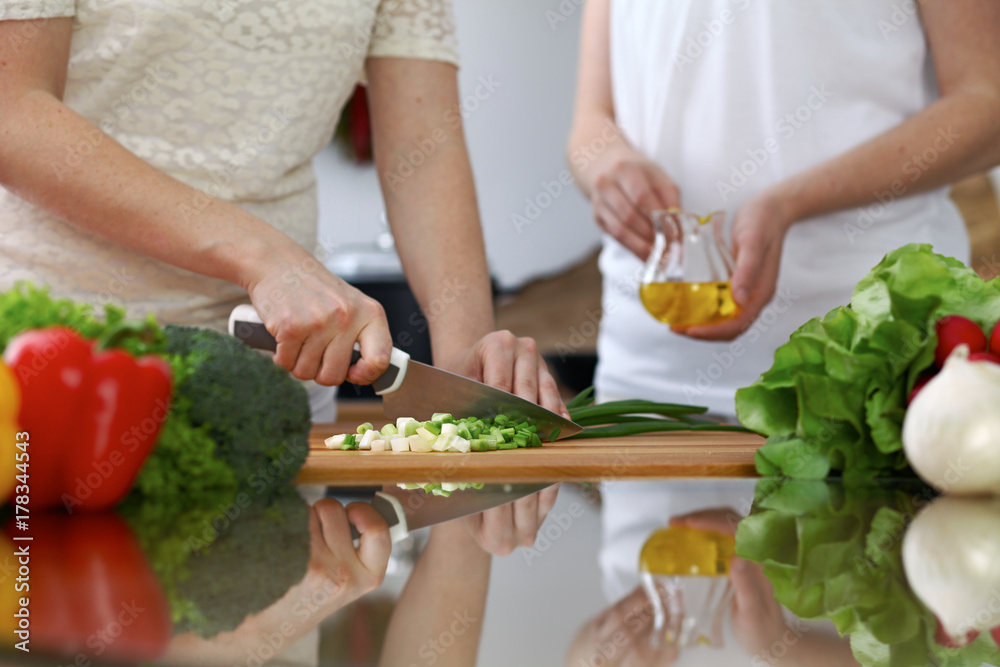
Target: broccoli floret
{"type": "Point", "coordinates": [183, 471]}
{"type": "Point", "coordinates": [257, 414]}
{"type": "Point", "coordinates": [224, 558]}
{"type": "Point", "coordinates": [165, 530]}
{"type": "Point", "coordinates": [258, 553]}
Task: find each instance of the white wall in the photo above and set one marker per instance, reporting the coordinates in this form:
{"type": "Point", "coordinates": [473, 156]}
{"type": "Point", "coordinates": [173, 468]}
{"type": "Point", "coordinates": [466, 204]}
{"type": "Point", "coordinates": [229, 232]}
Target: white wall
{"type": "Point", "coordinates": [516, 134]}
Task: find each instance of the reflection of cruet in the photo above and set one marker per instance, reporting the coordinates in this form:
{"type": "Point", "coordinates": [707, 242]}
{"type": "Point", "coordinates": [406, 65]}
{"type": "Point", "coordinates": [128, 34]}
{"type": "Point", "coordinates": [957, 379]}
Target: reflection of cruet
{"type": "Point", "coordinates": [686, 279]}
{"type": "Point", "coordinates": [685, 572]}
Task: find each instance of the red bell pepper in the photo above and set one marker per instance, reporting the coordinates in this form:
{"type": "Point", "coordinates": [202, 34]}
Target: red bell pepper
{"type": "Point", "coordinates": [93, 416]}
{"type": "Point", "coordinates": [90, 591]}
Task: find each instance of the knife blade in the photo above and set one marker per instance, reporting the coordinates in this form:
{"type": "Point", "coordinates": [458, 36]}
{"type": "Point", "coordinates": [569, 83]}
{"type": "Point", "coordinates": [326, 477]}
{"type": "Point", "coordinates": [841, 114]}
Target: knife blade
{"type": "Point", "coordinates": [411, 389]}
{"type": "Point", "coordinates": [408, 510]}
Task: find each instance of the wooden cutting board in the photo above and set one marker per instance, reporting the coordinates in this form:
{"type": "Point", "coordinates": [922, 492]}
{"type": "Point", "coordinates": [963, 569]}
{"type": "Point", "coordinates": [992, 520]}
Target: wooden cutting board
{"type": "Point", "coordinates": [653, 456]}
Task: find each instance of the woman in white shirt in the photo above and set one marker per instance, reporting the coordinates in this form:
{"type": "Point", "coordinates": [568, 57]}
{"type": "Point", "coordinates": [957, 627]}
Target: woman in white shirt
{"type": "Point", "coordinates": [829, 130]}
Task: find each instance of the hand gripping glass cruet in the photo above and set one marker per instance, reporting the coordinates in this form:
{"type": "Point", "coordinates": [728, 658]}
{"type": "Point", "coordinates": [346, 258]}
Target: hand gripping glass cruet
{"type": "Point", "coordinates": [685, 573]}
{"type": "Point", "coordinates": [686, 280]}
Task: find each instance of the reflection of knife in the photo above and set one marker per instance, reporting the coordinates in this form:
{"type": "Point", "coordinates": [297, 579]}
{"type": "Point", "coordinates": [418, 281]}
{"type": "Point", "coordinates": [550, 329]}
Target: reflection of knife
{"type": "Point", "coordinates": [412, 389]}
{"type": "Point", "coordinates": [406, 511]}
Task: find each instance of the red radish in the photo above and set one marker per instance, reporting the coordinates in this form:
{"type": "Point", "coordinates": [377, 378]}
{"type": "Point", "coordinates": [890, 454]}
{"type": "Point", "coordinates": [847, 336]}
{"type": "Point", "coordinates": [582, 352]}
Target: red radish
{"type": "Point", "coordinates": [918, 385]}
{"type": "Point", "coordinates": [984, 356]}
{"type": "Point", "coordinates": [995, 633]}
{"type": "Point", "coordinates": [946, 640]}
{"type": "Point", "coordinates": [952, 331]}
{"type": "Point", "coordinates": [995, 339]}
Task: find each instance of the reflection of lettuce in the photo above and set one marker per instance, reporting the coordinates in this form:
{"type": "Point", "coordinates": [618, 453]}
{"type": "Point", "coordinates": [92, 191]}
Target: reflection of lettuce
{"type": "Point", "coordinates": [834, 551]}
{"type": "Point", "coordinates": [836, 395]}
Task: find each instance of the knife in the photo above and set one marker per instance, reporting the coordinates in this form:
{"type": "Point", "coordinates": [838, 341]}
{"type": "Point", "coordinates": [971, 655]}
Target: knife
{"type": "Point", "coordinates": [411, 389]}
{"type": "Point", "coordinates": [407, 510]}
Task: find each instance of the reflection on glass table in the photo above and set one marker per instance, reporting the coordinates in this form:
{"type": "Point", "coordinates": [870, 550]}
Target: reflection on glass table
{"type": "Point", "coordinates": [908, 578]}
{"type": "Point", "coordinates": [722, 612]}
{"type": "Point", "coordinates": [685, 572]}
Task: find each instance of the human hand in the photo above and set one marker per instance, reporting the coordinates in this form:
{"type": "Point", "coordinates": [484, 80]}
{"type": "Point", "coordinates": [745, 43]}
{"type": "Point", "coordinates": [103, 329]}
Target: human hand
{"type": "Point", "coordinates": [759, 230]}
{"type": "Point", "coordinates": [501, 359]}
{"type": "Point", "coordinates": [500, 530]}
{"type": "Point", "coordinates": [621, 637]}
{"type": "Point", "coordinates": [513, 364]}
{"type": "Point", "coordinates": [342, 572]}
{"type": "Point", "coordinates": [316, 318]}
{"type": "Point", "coordinates": [625, 194]}
{"type": "Point", "coordinates": [757, 618]}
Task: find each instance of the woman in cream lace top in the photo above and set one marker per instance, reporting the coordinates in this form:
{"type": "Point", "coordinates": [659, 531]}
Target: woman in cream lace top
{"type": "Point", "coordinates": [158, 155]}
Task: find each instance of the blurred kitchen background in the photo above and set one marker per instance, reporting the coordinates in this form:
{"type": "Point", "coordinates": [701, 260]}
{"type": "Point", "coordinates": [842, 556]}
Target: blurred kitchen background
{"type": "Point", "coordinates": [547, 282]}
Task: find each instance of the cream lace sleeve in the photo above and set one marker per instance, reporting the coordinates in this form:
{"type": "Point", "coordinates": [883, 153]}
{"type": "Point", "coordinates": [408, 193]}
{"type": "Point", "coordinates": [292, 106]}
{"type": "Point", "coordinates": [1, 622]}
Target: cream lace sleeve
{"type": "Point", "coordinates": [415, 29]}
{"type": "Point", "coordinates": [19, 10]}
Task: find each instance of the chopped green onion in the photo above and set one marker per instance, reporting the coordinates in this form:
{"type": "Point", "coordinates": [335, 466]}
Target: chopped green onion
{"type": "Point", "coordinates": [367, 426]}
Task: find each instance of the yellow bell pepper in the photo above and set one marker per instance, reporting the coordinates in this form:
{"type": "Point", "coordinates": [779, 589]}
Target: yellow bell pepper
{"type": "Point", "coordinates": [10, 406]}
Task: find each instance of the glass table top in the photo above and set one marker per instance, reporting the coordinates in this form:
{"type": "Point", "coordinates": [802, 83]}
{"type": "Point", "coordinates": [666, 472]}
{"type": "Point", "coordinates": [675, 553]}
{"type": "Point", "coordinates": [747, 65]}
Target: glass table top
{"type": "Point", "coordinates": [621, 573]}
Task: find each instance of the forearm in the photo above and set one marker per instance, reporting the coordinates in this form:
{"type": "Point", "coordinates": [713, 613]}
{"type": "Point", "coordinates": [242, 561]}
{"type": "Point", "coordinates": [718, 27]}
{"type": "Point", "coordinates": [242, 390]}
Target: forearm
{"type": "Point", "coordinates": [595, 144]}
{"type": "Point", "coordinates": [440, 242]}
{"type": "Point", "coordinates": [430, 199]}
{"type": "Point", "coordinates": [115, 195]}
{"type": "Point", "coordinates": [445, 596]}
{"type": "Point", "coordinates": [955, 137]}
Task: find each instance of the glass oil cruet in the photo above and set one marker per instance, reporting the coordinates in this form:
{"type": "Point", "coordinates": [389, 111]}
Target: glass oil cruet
{"type": "Point", "coordinates": [686, 280]}
{"type": "Point", "coordinates": [685, 573]}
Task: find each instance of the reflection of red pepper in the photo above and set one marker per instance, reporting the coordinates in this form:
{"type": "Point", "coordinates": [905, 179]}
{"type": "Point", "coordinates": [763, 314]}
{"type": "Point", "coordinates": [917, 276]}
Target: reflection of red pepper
{"type": "Point", "coordinates": [93, 416]}
{"type": "Point", "coordinates": [92, 591]}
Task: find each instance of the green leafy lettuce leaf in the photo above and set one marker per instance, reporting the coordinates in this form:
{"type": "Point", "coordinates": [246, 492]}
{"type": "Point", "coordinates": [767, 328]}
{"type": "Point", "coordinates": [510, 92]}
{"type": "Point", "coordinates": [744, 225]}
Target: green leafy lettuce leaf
{"type": "Point", "coordinates": [834, 551]}
{"type": "Point", "coordinates": [835, 398]}
{"type": "Point", "coordinates": [26, 306]}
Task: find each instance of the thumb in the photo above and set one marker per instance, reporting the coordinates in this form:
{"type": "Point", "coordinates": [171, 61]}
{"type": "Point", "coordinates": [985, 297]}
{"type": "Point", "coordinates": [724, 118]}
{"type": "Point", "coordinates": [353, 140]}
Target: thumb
{"type": "Point", "coordinates": [375, 544]}
{"type": "Point", "coordinates": [666, 190]}
{"type": "Point", "coordinates": [750, 255]}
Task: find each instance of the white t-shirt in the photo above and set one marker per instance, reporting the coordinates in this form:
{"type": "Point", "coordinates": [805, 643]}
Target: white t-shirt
{"type": "Point", "coordinates": [730, 96]}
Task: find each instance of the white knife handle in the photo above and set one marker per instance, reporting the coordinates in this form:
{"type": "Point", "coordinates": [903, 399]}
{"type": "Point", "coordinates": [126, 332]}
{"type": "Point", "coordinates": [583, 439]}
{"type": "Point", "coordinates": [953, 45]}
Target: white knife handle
{"type": "Point", "coordinates": [390, 509]}
{"type": "Point", "coordinates": [245, 324]}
